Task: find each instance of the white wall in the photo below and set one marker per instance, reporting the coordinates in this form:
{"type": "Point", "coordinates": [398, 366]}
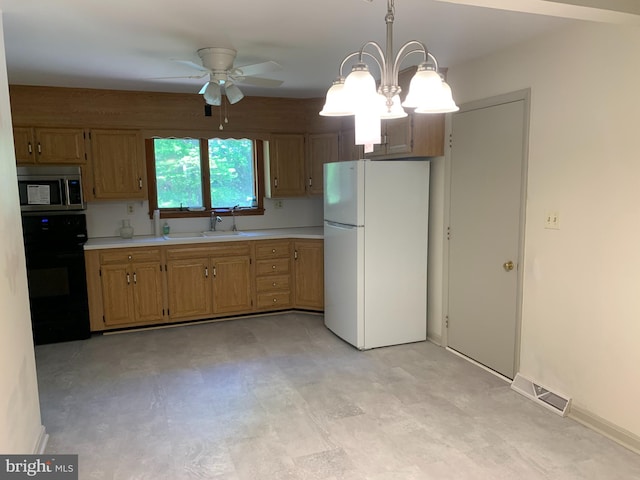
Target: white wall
{"type": "Point", "coordinates": [581, 303]}
{"type": "Point", "coordinates": [20, 426]}
{"type": "Point", "coordinates": [104, 219]}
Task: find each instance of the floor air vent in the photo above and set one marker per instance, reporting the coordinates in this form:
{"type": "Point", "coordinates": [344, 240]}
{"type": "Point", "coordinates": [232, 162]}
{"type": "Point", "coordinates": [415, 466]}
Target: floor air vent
{"type": "Point", "coordinates": [551, 400]}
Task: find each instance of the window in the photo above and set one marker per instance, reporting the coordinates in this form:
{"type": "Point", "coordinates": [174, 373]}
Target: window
{"type": "Point", "coordinates": [190, 174]}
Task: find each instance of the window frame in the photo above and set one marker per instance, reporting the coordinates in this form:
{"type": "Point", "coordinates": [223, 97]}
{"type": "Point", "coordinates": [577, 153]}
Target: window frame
{"type": "Point", "coordinates": [258, 161]}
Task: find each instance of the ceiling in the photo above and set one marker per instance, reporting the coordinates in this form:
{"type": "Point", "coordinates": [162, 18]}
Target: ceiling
{"type": "Point", "coordinates": [128, 44]}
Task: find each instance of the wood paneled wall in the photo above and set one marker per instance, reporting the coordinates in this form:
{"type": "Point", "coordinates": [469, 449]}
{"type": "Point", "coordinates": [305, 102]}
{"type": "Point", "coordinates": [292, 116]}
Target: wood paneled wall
{"type": "Point", "coordinates": [156, 111]}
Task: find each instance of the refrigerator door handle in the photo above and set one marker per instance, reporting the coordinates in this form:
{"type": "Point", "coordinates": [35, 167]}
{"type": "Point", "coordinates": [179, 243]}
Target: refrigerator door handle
{"type": "Point", "coordinates": [344, 226]}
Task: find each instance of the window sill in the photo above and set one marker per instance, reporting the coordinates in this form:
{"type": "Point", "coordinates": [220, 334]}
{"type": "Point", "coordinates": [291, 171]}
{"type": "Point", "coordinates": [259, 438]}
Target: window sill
{"type": "Point", "coordinates": [223, 212]}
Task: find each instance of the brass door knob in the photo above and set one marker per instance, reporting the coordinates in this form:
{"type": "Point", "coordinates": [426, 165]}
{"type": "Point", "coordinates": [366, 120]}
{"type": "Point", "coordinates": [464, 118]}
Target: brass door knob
{"type": "Point", "coordinates": [508, 266]}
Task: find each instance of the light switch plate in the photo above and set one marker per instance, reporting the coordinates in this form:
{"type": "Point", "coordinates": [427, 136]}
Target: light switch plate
{"type": "Point", "coordinates": [552, 220]}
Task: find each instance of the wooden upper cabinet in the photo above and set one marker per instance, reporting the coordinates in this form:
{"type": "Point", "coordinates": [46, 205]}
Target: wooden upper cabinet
{"type": "Point", "coordinates": [416, 135]}
{"type": "Point", "coordinates": [25, 145]}
{"type": "Point", "coordinates": [117, 162]}
{"type": "Point", "coordinates": [49, 145]}
{"type": "Point", "coordinates": [285, 166]}
{"type": "Point", "coordinates": [322, 148]}
{"type": "Point", "coordinates": [348, 148]}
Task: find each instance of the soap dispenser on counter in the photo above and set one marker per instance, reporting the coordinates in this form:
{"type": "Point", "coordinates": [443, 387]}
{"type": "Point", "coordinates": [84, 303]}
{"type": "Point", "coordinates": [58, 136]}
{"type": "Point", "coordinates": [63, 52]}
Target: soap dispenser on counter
{"type": "Point", "coordinates": [165, 228]}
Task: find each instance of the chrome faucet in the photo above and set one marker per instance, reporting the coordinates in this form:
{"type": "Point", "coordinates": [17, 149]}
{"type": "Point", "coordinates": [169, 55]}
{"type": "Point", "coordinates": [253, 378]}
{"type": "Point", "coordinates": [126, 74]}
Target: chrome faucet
{"type": "Point", "coordinates": [233, 215]}
{"type": "Point", "coordinates": [215, 219]}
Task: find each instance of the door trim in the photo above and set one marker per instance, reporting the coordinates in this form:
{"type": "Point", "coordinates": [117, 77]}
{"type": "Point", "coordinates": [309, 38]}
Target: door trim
{"type": "Point", "coordinates": [524, 95]}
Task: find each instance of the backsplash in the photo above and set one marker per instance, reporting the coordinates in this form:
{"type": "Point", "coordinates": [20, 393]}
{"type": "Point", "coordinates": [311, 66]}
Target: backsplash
{"type": "Point", "coordinates": [105, 219]}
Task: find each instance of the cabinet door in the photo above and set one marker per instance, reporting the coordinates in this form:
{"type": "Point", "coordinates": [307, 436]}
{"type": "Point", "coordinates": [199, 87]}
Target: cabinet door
{"type": "Point", "coordinates": [232, 284]}
{"type": "Point", "coordinates": [60, 145]}
{"type": "Point", "coordinates": [348, 148]}
{"type": "Point", "coordinates": [309, 274]}
{"type": "Point", "coordinates": [323, 148]}
{"type": "Point", "coordinates": [117, 294]}
{"type": "Point", "coordinates": [399, 136]}
{"type": "Point", "coordinates": [189, 294]}
{"type": "Point", "coordinates": [117, 163]}
{"type": "Point", "coordinates": [286, 165]}
{"type": "Point", "coordinates": [147, 292]}
{"type": "Point", "coordinates": [24, 144]}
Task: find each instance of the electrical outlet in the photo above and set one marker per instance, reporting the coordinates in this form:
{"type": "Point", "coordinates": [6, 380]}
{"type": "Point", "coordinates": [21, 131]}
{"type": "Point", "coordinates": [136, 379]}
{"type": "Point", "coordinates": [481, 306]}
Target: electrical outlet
{"type": "Point", "coordinates": [552, 220]}
{"type": "Point", "coordinates": [278, 204]}
{"type": "Point", "coordinates": [130, 209]}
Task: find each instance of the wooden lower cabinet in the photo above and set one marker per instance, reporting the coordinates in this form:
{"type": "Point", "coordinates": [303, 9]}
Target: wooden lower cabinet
{"type": "Point", "coordinates": [188, 287]}
{"type": "Point", "coordinates": [209, 281]}
{"type": "Point", "coordinates": [308, 274]}
{"type": "Point", "coordinates": [231, 284]}
{"type": "Point", "coordinates": [142, 286]}
{"type": "Point", "coordinates": [129, 290]}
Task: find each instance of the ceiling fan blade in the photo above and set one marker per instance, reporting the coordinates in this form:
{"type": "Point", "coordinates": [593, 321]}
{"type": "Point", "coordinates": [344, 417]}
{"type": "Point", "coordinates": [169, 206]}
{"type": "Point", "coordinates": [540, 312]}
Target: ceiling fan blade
{"type": "Point", "coordinates": [191, 64]}
{"type": "Point", "coordinates": [257, 68]}
{"type": "Point", "coordinates": [181, 76]}
{"type": "Point", "coordinates": [258, 81]}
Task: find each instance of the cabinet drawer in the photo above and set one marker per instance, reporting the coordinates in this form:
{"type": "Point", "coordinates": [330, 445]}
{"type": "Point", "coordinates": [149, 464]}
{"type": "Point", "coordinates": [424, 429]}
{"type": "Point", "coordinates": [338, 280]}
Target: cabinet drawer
{"type": "Point", "coordinates": [274, 300]}
{"type": "Point", "coordinates": [273, 283]}
{"type": "Point", "coordinates": [273, 249]}
{"type": "Point", "coordinates": [129, 255]}
{"type": "Point", "coordinates": [272, 267]}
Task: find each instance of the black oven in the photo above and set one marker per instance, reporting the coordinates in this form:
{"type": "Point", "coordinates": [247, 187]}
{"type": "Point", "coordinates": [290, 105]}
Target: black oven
{"type": "Point", "coordinates": [56, 275]}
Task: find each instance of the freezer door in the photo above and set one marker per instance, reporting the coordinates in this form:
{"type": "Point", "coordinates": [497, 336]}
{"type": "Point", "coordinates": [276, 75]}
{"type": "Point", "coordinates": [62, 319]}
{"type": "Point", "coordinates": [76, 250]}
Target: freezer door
{"type": "Point", "coordinates": [344, 282]}
{"type": "Point", "coordinates": [344, 192]}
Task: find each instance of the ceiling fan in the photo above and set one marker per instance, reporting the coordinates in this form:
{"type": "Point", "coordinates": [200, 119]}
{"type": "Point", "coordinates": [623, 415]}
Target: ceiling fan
{"type": "Point", "coordinates": [217, 63]}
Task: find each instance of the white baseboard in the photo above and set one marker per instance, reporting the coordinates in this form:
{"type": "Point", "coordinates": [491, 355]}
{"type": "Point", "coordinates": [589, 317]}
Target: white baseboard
{"type": "Point", "coordinates": [437, 339]}
{"type": "Point", "coordinates": [606, 428]}
{"type": "Point", "coordinates": [41, 443]}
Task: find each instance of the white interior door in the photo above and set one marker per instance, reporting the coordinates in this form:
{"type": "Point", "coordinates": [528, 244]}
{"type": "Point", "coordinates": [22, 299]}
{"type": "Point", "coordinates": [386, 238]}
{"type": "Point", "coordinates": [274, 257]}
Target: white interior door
{"type": "Point", "coordinates": [487, 162]}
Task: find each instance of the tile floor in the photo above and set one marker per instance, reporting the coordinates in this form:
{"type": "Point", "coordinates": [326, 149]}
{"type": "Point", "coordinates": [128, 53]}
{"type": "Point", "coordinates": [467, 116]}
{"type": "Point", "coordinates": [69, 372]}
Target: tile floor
{"type": "Point", "coordinates": [280, 397]}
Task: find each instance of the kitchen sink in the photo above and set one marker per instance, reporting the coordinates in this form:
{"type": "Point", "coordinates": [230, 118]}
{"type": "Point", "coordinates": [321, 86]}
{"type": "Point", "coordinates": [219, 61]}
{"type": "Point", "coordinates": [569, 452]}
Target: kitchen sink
{"type": "Point", "coordinates": [220, 233]}
{"type": "Point", "coordinates": [207, 234]}
{"type": "Point", "coordinates": [170, 236]}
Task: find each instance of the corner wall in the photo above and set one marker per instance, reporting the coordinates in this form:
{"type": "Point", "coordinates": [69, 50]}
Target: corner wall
{"type": "Point", "coordinates": [580, 328]}
{"type": "Point", "coordinates": [20, 428]}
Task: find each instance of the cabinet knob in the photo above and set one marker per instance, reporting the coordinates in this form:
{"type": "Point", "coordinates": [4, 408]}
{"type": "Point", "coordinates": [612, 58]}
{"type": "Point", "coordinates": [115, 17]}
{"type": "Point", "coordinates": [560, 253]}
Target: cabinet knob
{"type": "Point", "coordinates": [273, 251]}
{"type": "Point", "coordinates": [273, 284]}
{"type": "Point", "coordinates": [273, 266]}
{"type": "Point", "coordinates": [275, 300]}
{"type": "Point", "coordinates": [129, 257]}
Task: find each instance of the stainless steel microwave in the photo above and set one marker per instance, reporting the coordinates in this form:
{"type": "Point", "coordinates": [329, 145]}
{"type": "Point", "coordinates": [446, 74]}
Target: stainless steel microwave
{"type": "Point", "coordinates": [49, 188]}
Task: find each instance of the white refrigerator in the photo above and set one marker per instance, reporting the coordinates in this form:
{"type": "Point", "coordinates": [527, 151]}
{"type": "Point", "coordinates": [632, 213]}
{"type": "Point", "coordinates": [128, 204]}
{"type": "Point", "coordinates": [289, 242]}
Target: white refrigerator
{"type": "Point", "coordinates": [375, 251]}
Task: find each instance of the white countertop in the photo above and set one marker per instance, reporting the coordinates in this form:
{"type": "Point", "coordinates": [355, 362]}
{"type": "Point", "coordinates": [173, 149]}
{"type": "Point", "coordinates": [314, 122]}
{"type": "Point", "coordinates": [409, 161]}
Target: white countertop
{"type": "Point", "coordinates": [151, 241]}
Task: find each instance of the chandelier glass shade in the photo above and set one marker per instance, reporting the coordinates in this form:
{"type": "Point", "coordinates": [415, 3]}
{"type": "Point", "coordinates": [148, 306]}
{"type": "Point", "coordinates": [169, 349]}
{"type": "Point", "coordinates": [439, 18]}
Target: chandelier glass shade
{"type": "Point", "coordinates": [357, 94]}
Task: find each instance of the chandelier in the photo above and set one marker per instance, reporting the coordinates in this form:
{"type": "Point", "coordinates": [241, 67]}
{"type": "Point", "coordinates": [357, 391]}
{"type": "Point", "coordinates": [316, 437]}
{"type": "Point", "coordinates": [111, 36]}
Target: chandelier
{"type": "Point", "coordinates": [358, 95]}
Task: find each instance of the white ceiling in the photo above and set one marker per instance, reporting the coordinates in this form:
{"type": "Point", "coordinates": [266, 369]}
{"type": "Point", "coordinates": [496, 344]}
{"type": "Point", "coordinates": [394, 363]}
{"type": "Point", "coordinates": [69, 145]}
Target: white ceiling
{"type": "Point", "coordinates": [127, 44]}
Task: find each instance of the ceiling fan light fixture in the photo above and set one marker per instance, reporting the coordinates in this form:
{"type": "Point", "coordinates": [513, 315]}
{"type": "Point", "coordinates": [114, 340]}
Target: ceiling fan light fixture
{"type": "Point", "coordinates": [233, 93]}
{"type": "Point", "coordinates": [213, 94]}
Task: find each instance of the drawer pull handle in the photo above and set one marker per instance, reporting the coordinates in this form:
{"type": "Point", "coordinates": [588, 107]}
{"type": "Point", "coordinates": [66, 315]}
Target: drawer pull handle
{"type": "Point", "coordinates": [273, 251]}
{"type": "Point", "coordinates": [273, 266]}
{"type": "Point", "coordinates": [129, 257]}
{"type": "Point", "coordinates": [274, 284]}
{"type": "Point", "coordinates": [275, 300]}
